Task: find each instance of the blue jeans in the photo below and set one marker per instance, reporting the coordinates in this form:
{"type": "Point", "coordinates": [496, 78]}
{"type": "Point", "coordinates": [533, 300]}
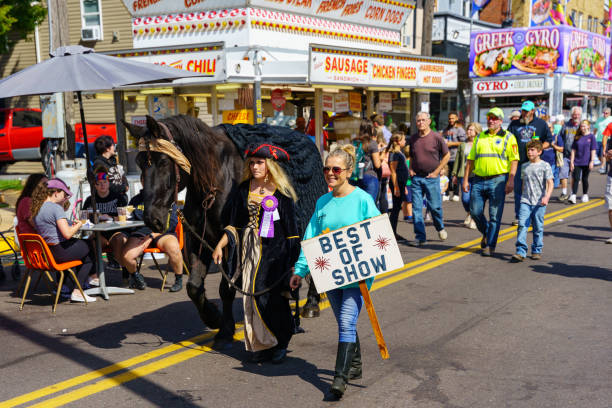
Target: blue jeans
{"type": "Point", "coordinates": [430, 188]}
{"type": "Point", "coordinates": [518, 191]}
{"type": "Point", "coordinates": [494, 191]}
{"type": "Point", "coordinates": [530, 215]}
{"type": "Point", "coordinates": [346, 304]}
{"type": "Point", "coordinates": [465, 197]}
{"type": "Point", "coordinates": [369, 184]}
{"type": "Point", "coordinates": [555, 171]}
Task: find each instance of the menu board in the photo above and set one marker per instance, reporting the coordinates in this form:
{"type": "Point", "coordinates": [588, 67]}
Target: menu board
{"type": "Point", "coordinates": [539, 50]}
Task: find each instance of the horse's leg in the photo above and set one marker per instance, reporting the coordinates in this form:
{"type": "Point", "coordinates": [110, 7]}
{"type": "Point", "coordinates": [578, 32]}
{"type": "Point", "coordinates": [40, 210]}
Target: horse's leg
{"type": "Point", "coordinates": [311, 308]}
{"type": "Point", "coordinates": [195, 290]}
{"type": "Point", "coordinates": [225, 336]}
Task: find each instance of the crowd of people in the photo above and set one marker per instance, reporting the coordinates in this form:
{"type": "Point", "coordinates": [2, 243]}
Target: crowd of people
{"type": "Point", "coordinates": [422, 170]}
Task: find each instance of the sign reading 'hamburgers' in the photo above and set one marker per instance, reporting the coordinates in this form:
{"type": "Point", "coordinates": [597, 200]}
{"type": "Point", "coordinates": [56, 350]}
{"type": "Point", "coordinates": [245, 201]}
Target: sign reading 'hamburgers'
{"type": "Point", "coordinates": [538, 50]}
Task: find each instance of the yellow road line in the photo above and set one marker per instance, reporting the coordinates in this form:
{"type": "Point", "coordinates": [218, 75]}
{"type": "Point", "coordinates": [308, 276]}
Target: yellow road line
{"type": "Point", "coordinates": [439, 258]}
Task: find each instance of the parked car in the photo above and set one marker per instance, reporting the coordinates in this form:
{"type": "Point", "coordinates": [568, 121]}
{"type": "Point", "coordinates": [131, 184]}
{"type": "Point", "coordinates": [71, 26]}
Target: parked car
{"type": "Point", "coordinates": [21, 136]}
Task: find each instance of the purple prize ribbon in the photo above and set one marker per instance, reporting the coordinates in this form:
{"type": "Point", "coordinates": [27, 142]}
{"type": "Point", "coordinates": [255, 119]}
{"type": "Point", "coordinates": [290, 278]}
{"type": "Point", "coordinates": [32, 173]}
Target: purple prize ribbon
{"type": "Point", "coordinates": [269, 205]}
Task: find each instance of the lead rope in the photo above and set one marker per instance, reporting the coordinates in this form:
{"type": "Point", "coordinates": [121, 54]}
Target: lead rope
{"type": "Point", "coordinates": [225, 275]}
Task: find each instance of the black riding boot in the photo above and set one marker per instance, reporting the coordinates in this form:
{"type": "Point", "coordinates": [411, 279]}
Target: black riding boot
{"type": "Point", "coordinates": [346, 351]}
{"type": "Point", "coordinates": [355, 371]}
{"type": "Point", "coordinates": [178, 283]}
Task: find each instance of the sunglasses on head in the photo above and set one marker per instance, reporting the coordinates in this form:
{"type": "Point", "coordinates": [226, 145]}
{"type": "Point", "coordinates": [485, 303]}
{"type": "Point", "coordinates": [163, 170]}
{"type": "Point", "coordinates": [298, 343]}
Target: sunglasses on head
{"type": "Point", "coordinates": [336, 170]}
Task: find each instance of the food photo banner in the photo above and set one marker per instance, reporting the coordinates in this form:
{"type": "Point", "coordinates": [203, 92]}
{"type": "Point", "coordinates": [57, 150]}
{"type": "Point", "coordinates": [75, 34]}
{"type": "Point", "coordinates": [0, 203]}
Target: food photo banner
{"type": "Point", "coordinates": [539, 50]}
{"type": "Point", "coordinates": [353, 253]}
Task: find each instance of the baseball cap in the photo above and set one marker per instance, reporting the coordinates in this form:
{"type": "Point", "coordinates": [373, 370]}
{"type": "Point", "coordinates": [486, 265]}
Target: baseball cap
{"type": "Point", "coordinates": [527, 106]}
{"type": "Point", "coordinates": [59, 184]}
{"type": "Point", "coordinates": [497, 112]}
{"type": "Point", "coordinates": [515, 113]}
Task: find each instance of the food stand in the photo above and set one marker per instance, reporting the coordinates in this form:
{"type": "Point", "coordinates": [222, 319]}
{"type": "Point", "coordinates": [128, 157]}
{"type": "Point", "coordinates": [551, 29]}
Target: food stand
{"type": "Point", "coordinates": [257, 50]}
{"type": "Point", "coordinates": [557, 66]}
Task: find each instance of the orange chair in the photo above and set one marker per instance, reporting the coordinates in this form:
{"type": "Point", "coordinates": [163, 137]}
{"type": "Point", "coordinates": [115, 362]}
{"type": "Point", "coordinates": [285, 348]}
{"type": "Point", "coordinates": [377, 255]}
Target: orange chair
{"type": "Point", "coordinates": [38, 257]}
{"type": "Point", "coordinates": [23, 277]}
{"type": "Point", "coordinates": [156, 250]}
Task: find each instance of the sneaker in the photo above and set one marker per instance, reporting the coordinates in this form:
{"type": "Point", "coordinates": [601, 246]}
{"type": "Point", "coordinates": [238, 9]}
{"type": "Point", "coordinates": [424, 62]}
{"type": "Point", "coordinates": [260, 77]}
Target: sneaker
{"type": "Point", "coordinates": [602, 171]}
{"type": "Point", "coordinates": [517, 258]}
{"type": "Point", "coordinates": [572, 199]}
{"type": "Point", "coordinates": [515, 222]}
{"type": "Point", "coordinates": [137, 281]}
{"type": "Point", "coordinates": [455, 198]}
{"type": "Point", "coordinates": [467, 220]}
{"type": "Point", "coordinates": [444, 198]}
{"type": "Point", "coordinates": [443, 234]}
{"type": "Point", "coordinates": [585, 198]}
{"type": "Point", "coordinates": [408, 218]}
{"type": "Point", "coordinates": [609, 241]}
{"type": "Point", "coordinates": [472, 225]}
{"type": "Point", "coordinates": [487, 252]}
{"type": "Point", "coordinates": [536, 257]}
{"type": "Point", "coordinates": [77, 297]}
{"type": "Point", "coordinates": [94, 282]}
{"type": "Point", "coordinates": [563, 197]}
{"type": "Point", "coordinates": [417, 243]}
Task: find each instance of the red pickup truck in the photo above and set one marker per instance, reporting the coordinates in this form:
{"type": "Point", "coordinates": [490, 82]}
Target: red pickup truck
{"type": "Point", "coordinates": [21, 135]}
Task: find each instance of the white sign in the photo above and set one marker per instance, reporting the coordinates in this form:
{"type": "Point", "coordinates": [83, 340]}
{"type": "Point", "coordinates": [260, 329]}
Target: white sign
{"type": "Point", "coordinates": [341, 102]}
{"type": "Point", "coordinates": [352, 254]}
{"type": "Point", "coordinates": [591, 85]}
{"type": "Point", "coordinates": [328, 102]}
{"type": "Point", "coordinates": [608, 87]}
{"type": "Point", "coordinates": [503, 86]}
{"type": "Point", "coordinates": [357, 68]}
{"type": "Point", "coordinates": [385, 102]}
{"type": "Point", "coordinates": [209, 63]}
{"type": "Point", "coordinates": [375, 13]}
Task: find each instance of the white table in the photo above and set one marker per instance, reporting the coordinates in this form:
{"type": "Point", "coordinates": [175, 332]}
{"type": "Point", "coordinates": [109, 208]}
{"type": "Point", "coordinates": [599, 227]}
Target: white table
{"type": "Point", "coordinates": [98, 229]}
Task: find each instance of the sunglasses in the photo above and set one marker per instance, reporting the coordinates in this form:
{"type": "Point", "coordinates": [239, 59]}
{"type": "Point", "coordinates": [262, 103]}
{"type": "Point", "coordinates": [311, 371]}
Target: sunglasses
{"type": "Point", "coordinates": [492, 118]}
{"type": "Point", "coordinates": [336, 170]}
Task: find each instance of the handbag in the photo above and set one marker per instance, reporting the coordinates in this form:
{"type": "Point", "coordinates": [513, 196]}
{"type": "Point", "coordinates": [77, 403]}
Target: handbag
{"type": "Point", "coordinates": [559, 157]}
{"type": "Point", "coordinates": [385, 170]}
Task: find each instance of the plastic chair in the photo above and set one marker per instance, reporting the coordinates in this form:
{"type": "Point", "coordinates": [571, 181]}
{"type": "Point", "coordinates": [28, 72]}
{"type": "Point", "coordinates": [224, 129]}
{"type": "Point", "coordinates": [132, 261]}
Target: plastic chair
{"type": "Point", "coordinates": [38, 257]}
{"type": "Point", "coordinates": [156, 250]}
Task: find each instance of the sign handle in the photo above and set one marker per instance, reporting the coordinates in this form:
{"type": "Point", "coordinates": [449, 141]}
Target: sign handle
{"type": "Point", "coordinates": [380, 340]}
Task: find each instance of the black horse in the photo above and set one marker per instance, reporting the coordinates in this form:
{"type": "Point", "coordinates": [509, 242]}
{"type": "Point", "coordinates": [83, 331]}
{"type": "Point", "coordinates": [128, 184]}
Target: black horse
{"type": "Point", "coordinates": [216, 167]}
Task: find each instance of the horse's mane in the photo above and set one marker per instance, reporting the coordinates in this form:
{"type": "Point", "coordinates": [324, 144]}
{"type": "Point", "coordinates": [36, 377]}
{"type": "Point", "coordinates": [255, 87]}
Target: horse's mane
{"type": "Point", "coordinates": [198, 141]}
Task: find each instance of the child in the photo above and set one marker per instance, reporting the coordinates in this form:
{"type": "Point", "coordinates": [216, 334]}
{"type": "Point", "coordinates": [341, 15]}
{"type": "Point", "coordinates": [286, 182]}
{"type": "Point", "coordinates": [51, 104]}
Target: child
{"type": "Point", "coordinates": [444, 181]}
{"type": "Point", "coordinates": [407, 204]}
{"type": "Point", "coordinates": [538, 185]}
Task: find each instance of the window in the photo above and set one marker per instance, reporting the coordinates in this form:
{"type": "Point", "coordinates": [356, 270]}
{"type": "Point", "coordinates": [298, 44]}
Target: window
{"type": "Point", "coordinates": [91, 13]}
{"type": "Point", "coordinates": [26, 119]}
{"type": "Point", "coordinates": [596, 25]}
{"type": "Point", "coordinates": [590, 23]}
{"type": "Point", "coordinates": [579, 22]}
{"type": "Point", "coordinates": [573, 17]}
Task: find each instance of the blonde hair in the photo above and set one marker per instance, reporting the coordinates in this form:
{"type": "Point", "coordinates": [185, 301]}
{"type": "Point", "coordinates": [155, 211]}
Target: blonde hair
{"type": "Point", "coordinates": [277, 176]}
{"type": "Point", "coordinates": [347, 153]}
{"type": "Point", "coordinates": [477, 127]}
{"type": "Point", "coordinates": [395, 141]}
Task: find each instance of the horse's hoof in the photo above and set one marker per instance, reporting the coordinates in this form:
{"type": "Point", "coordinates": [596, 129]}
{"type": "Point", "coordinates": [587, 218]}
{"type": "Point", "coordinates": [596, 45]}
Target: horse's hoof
{"type": "Point", "coordinates": [310, 311]}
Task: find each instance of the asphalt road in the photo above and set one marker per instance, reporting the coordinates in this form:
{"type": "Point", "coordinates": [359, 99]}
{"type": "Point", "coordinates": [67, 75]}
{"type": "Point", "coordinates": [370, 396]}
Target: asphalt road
{"type": "Point", "coordinates": [462, 331]}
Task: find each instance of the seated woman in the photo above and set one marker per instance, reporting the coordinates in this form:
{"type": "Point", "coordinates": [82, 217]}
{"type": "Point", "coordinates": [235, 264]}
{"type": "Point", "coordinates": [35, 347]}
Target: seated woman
{"type": "Point", "coordinates": [143, 238]}
{"type": "Point", "coordinates": [50, 220]}
{"type": "Point", "coordinates": [107, 202]}
{"type": "Point", "coordinates": [24, 202]}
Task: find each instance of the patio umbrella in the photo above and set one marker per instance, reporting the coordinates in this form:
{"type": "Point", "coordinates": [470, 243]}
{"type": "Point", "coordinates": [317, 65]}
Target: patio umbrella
{"type": "Point", "coordinates": [76, 69]}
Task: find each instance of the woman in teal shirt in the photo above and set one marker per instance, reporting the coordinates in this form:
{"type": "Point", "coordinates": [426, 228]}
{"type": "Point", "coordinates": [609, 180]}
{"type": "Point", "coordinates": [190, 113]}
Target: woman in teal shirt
{"type": "Point", "coordinates": [344, 205]}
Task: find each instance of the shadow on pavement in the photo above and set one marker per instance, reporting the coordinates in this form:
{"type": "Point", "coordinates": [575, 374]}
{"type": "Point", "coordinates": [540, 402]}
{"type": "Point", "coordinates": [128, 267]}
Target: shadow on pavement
{"type": "Point", "coordinates": [590, 227]}
{"type": "Point", "coordinates": [574, 271]}
{"type": "Point", "coordinates": [91, 361]}
{"type": "Point", "coordinates": [572, 236]}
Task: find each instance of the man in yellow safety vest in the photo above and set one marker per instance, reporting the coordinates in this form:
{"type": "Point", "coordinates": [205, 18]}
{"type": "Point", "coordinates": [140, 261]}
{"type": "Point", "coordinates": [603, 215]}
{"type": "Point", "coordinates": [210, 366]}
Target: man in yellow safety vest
{"type": "Point", "coordinates": [493, 161]}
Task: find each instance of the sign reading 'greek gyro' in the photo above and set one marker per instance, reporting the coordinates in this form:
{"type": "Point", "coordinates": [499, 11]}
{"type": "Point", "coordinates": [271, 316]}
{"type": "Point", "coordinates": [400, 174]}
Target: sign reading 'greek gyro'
{"type": "Point", "coordinates": [541, 50]}
{"type": "Point", "coordinates": [353, 253]}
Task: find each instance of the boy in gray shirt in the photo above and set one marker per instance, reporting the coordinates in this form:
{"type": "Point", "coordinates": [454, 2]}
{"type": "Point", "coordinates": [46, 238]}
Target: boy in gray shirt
{"type": "Point", "coordinates": [538, 186]}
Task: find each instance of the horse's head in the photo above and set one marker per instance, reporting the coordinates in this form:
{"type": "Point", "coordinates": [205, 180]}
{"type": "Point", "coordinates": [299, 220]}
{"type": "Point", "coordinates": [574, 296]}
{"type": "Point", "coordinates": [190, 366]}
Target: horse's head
{"type": "Point", "coordinates": [159, 177]}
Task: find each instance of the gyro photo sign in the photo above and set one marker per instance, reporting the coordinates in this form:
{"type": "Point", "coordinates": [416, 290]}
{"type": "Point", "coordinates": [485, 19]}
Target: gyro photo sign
{"type": "Point", "coordinates": [352, 253]}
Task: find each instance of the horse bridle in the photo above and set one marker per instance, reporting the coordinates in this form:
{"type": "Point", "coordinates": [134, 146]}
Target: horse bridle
{"type": "Point", "coordinates": [207, 203]}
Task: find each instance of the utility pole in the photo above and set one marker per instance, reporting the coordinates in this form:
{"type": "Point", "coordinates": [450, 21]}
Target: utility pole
{"type": "Point", "coordinates": [420, 97]}
{"type": "Point", "coordinates": [59, 35]}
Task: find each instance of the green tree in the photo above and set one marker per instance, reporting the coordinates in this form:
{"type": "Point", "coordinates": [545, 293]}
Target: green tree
{"type": "Point", "coordinates": [18, 18]}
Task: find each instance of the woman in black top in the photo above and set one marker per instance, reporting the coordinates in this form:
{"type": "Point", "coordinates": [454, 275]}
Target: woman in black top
{"type": "Point", "coordinates": [399, 177]}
